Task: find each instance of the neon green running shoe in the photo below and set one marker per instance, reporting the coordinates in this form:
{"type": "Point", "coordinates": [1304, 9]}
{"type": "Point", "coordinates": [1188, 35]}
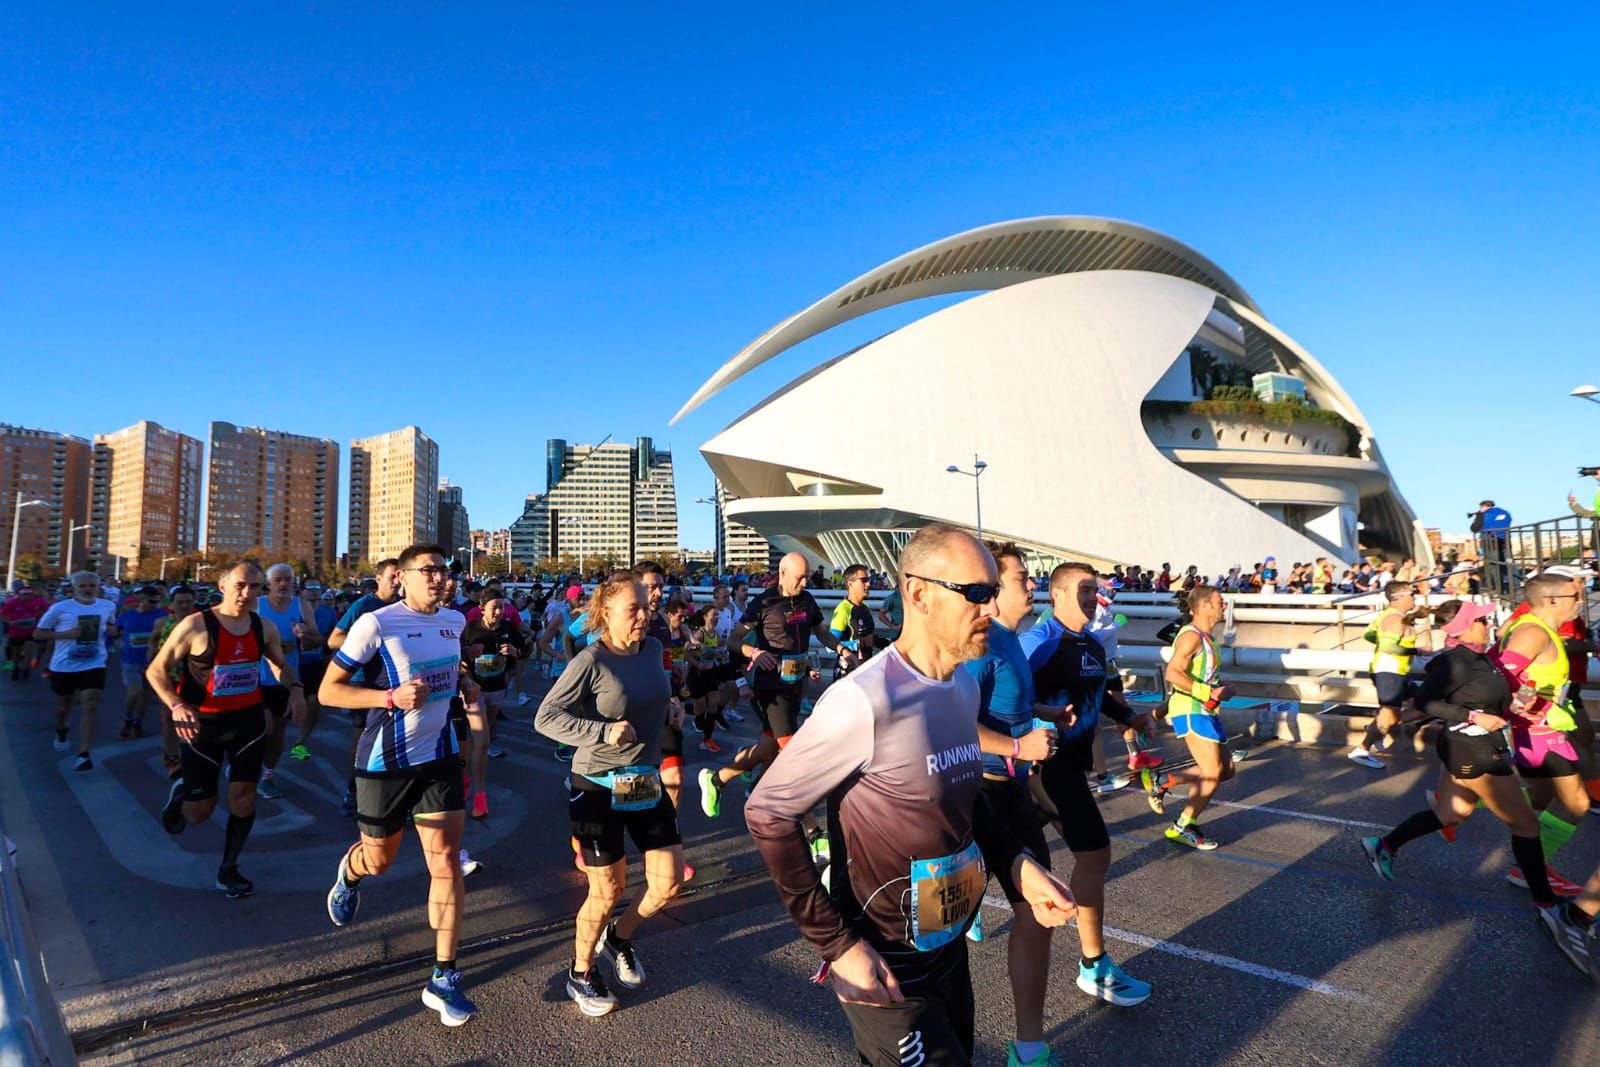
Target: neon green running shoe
{"type": "Point", "coordinates": [710, 793]}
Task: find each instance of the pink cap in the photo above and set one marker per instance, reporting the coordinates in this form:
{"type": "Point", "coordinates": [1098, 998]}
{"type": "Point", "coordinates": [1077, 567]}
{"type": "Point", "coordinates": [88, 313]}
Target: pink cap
{"type": "Point", "coordinates": [574, 592]}
{"type": "Point", "coordinates": [1469, 614]}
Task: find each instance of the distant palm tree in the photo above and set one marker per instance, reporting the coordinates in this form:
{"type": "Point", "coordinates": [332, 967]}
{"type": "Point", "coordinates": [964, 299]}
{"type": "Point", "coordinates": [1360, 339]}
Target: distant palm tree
{"type": "Point", "coordinates": [1202, 369]}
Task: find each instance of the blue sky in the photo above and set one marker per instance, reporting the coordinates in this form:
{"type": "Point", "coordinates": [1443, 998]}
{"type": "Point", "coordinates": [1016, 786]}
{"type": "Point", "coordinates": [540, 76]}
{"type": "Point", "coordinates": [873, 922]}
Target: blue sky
{"type": "Point", "coordinates": [507, 226]}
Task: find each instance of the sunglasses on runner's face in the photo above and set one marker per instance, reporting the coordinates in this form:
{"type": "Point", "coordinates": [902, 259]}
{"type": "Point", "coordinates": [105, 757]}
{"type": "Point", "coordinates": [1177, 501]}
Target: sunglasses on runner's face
{"type": "Point", "coordinates": [430, 572]}
{"type": "Point", "coordinates": [975, 592]}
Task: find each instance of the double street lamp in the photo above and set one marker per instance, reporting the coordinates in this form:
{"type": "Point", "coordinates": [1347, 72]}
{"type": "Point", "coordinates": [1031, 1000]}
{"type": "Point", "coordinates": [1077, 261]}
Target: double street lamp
{"type": "Point", "coordinates": [976, 473]}
{"type": "Point", "coordinates": [16, 527]}
{"type": "Point", "coordinates": [72, 543]}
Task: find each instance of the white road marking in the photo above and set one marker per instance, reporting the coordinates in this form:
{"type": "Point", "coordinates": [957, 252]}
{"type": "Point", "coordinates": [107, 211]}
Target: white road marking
{"type": "Point", "coordinates": [1216, 959]}
{"type": "Point", "coordinates": [1353, 823]}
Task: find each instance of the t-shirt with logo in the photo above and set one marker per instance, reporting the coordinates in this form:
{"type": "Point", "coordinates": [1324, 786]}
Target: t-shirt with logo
{"type": "Point", "coordinates": [398, 645]}
{"type": "Point", "coordinates": [1070, 668]}
{"type": "Point", "coordinates": [88, 651]}
{"type": "Point", "coordinates": [137, 629]}
{"type": "Point", "coordinates": [489, 668]}
{"type": "Point", "coordinates": [782, 626]}
{"type": "Point", "coordinates": [895, 754]}
{"type": "Point", "coordinates": [852, 625]}
{"type": "Point", "coordinates": [372, 678]}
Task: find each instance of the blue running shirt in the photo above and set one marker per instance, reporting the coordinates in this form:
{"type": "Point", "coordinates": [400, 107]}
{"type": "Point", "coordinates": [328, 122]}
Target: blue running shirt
{"type": "Point", "coordinates": [399, 644]}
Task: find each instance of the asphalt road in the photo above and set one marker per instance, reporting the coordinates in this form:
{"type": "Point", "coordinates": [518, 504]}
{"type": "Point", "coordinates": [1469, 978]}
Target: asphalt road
{"type": "Point", "coordinates": [1282, 946]}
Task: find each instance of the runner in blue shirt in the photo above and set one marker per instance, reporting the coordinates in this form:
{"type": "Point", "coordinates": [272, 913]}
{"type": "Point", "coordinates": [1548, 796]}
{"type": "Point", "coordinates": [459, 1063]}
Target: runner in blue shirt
{"type": "Point", "coordinates": [137, 624]}
{"type": "Point", "coordinates": [387, 592]}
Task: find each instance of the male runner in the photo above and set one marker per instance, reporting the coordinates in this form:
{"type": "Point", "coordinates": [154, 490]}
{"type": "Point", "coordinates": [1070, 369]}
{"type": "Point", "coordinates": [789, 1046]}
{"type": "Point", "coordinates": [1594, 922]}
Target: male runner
{"type": "Point", "coordinates": [783, 619]}
{"type": "Point", "coordinates": [851, 624]}
{"type": "Point", "coordinates": [1069, 674]}
{"type": "Point", "coordinates": [893, 749]}
{"type": "Point", "coordinates": [137, 624]}
{"type": "Point", "coordinates": [217, 712]}
{"type": "Point", "coordinates": [1391, 663]}
{"type": "Point", "coordinates": [408, 765]}
{"type": "Point", "coordinates": [280, 609]}
{"type": "Point", "coordinates": [180, 606]}
{"type": "Point", "coordinates": [77, 629]}
{"type": "Point", "coordinates": [21, 613]}
{"type": "Point", "coordinates": [385, 592]}
{"type": "Point", "coordinates": [491, 645]}
{"type": "Point", "coordinates": [1579, 644]}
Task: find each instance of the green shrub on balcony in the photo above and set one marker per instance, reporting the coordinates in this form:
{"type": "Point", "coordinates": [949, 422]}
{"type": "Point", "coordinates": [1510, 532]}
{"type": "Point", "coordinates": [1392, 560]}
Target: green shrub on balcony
{"type": "Point", "coordinates": [1241, 402]}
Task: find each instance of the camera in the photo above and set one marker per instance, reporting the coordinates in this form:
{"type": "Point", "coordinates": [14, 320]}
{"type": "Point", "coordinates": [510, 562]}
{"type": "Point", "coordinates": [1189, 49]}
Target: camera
{"type": "Point", "coordinates": [1588, 472]}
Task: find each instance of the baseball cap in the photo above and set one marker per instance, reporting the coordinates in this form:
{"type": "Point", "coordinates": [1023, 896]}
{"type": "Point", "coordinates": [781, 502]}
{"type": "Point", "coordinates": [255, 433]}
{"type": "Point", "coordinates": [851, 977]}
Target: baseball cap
{"type": "Point", "coordinates": [574, 592]}
{"type": "Point", "coordinates": [1565, 570]}
{"type": "Point", "coordinates": [1469, 614]}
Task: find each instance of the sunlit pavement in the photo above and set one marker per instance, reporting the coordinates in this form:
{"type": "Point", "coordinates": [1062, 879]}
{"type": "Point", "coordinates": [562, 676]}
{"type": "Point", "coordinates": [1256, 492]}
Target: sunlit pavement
{"type": "Point", "coordinates": [1282, 946]}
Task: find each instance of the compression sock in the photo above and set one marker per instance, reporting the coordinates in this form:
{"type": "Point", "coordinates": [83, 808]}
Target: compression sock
{"type": "Point", "coordinates": [440, 967]}
{"type": "Point", "coordinates": [1554, 832]}
{"type": "Point", "coordinates": [233, 839]}
{"type": "Point", "coordinates": [1421, 824]}
{"type": "Point", "coordinates": [1090, 961]}
{"type": "Point", "coordinates": [1530, 857]}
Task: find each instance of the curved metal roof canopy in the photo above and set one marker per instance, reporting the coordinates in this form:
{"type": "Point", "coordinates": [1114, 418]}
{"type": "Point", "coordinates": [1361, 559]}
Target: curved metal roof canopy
{"type": "Point", "coordinates": [987, 258]}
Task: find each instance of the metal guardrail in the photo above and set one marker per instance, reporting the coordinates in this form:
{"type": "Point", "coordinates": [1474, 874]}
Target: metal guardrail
{"type": "Point", "coordinates": [1510, 556]}
{"type": "Point", "coordinates": [32, 1031]}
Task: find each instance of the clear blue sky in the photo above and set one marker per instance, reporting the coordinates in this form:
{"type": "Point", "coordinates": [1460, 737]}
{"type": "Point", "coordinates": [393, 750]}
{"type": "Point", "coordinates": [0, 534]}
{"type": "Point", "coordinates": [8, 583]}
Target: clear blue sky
{"type": "Point", "coordinates": [508, 226]}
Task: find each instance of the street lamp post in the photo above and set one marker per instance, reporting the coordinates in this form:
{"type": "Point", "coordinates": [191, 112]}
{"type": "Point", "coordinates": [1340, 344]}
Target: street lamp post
{"type": "Point", "coordinates": [16, 528]}
{"type": "Point", "coordinates": [471, 557]}
{"type": "Point", "coordinates": [120, 558]}
{"type": "Point", "coordinates": [166, 560]}
{"type": "Point", "coordinates": [978, 467]}
{"type": "Point", "coordinates": [716, 539]}
{"type": "Point", "coordinates": [72, 543]}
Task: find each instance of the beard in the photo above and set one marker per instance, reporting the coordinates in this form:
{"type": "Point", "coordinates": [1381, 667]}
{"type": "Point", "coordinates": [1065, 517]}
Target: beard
{"type": "Point", "coordinates": [967, 645]}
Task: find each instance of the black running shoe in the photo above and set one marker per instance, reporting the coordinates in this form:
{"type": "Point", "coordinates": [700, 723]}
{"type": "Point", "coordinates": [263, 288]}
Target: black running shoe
{"type": "Point", "coordinates": [172, 820]}
{"type": "Point", "coordinates": [231, 882]}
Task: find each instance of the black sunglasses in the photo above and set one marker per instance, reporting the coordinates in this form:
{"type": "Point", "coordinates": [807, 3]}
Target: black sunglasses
{"type": "Point", "coordinates": [975, 592]}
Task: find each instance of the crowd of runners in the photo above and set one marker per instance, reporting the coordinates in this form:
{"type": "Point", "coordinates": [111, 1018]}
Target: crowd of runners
{"type": "Point", "coordinates": [954, 728]}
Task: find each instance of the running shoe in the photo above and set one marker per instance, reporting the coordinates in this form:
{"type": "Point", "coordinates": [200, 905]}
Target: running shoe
{"type": "Point", "coordinates": [1144, 760]}
{"type": "Point", "coordinates": [688, 872]}
{"type": "Point", "coordinates": [589, 992]}
{"type": "Point", "coordinates": [1045, 1059]}
{"type": "Point", "coordinates": [710, 793]}
{"type": "Point", "coordinates": [1561, 887]}
{"type": "Point", "coordinates": [300, 751]}
{"type": "Point", "coordinates": [1110, 983]}
{"type": "Point", "coordinates": [1241, 754]}
{"type": "Point", "coordinates": [1570, 934]}
{"type": "Point", "coordinates": [443, 995]}
{"type": "Point", "coordinates": [708, 745]}
{"type": "Point", "coordinates": [61, 744]}
{"type": "Point", "coordinates": [495, 751]}
{"type": "Point", "coordinates": [1155, 791]}
{"type": "Point", "coordinates": [268, 788]}
{"type": "Point", "coordinates": [231, 882]}
{"type": "Point", "coordinates": [564, 753]}
{"type": "Point", "coordinates": [347, 806]}
{"type": "Point", "coordinates": [623, 959]}
{"type": "Point", "coordinates": [469, 866]}
{"type": "Point", "coordinates": [1366, 759]}
{"type": "Point", "coordinates": [1446, 832]}
{"type": "Point", "coordinates": [480, 806]}
{"type": "Point", "coordinates": [1594, 807]}
{"type": "Point", "coordinates": [1110, 783]}
{"type": "Point", "coordinates": [84, 762]}
{"type": "Point", "coordinates": [343, 900]}
{"type": "Point", "coordinates": [733, 715]}
{"type": "Point", "coordinates": [1379, 856]}
{"type": "Point", "coordinates": [975, 931]}
{"type": "Point", "coordinates": [1190, 835]}
{"type": "Point", "coordinates": [523, 700]}
{"type": "Point", "coordinates": [817, 841]}
{"type": "Point", "coordinates": [172, 820]}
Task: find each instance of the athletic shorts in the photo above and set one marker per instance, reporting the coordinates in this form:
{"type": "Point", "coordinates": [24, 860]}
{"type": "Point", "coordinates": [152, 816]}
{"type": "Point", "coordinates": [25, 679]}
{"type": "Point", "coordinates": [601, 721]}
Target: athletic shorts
{"type": "Point", "coordinates": [384, 805]}
{"type": "Point", "coordinates": [1207, 726]}
{"type": "Point", "coordinates": [1393, 689]}
{"type": "Point", "coordinates": [132, 676]}
{"type": "Point", "coordinates": [1543, 753]}
{"type": "Point", "coordinates": [461, 724]}
{"type": "Point", "coordinates": [778, 710]}
{"type": "Point", "coordinates": [1013, 805]}
{"type": "Point", "coordinates": [311, 673]}
{"type": "Point", "coordinates": [275, 698]}
{"type": "Point", "coordinates": [237, 737]}
{"type": "Point", "coordinates": [933, 1028]}
{"type": "Point", "coordinates": [702, 683]}
{"type": "Point", "coordinates": [671, 746]}
{"type": "Point", "coordinates": [491, 699]}
{"type": "Point", "coordinates": [65, 683]}
{"type": "Point", "coordinates": [1060, 791]}
{"type": "Point", "coordinates": [598, 828]}
{"type": "Point", "coordinates": [1467, 757]}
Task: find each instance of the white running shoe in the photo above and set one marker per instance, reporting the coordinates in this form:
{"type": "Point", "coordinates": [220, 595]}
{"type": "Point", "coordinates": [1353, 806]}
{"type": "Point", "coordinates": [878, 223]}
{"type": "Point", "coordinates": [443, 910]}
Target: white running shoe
{"type": "Point", "coordinates": [469, 866]}
{"type": "Point", "coordinates": [1366, 759]}
{"type": "Point", "coordinates": [624, 961]}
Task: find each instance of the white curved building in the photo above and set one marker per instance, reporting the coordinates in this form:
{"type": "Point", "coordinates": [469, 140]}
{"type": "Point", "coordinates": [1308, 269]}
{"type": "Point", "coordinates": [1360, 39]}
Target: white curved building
{"type": "Point", "coordinates": [1074, 376]}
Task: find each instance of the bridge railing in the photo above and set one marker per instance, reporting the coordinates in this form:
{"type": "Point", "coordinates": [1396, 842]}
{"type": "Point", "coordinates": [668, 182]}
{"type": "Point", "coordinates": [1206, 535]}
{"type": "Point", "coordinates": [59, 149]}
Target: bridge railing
{"type": "Point", "coordinates": [32, 1031]}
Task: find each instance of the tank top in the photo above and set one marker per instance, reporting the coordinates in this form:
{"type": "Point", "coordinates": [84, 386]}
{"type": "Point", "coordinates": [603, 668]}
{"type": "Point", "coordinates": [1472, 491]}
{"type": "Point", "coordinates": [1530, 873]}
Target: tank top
{"type": "Point", "coordinates": [1387, 662]}
{"type": "Point", "coordinates": [1550, 679]}
{"type": "Point", "coordinates": [1202, 668]}
{"type": "Point", "coordinates": [227, 675]}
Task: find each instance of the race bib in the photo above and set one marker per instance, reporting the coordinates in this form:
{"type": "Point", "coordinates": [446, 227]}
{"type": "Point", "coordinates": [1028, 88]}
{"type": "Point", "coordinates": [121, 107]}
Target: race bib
{"type": "Point", "coordinates": [235, 679]}
{"type": "Point", "coordinates": [138, 640]}
{"type": "Point", "coordinates": [440, 674]}
{"type": "Point", "coordinates": [489, 666]}
{"type": "Point", "coordinates": [792, 668]}
{"type": "Point", "coordinates": [79, 650]}
{"type": "Point", "coordinates": [944, 894]}
{"type": "Point", "coordinates": [635, 788]}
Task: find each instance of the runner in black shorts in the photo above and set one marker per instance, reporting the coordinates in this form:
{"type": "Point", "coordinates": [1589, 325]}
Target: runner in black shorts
{"type": "Point", "coordinates": [611, 703]}
{"type": "Point", "coordinates": [218, 714]}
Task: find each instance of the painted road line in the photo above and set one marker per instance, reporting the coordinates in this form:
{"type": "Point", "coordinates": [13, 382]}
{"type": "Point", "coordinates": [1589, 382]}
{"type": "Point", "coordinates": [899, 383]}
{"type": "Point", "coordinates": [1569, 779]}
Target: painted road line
{"type": "Point", "coordinates": [1217, 959]}
{"type": "Point", "coordinates": [1353, 823]}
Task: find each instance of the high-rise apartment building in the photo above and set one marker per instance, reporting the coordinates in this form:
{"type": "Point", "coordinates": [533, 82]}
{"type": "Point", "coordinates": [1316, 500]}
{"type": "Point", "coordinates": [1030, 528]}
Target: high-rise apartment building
{"type": "Point", "coordinates": [740, 547]}
{"type": "Point", "coordinates": [494, 542]}
{"type": "Point", "coordinates": [394, 497]}
{"type": "Point", "coordinates": [145, 496]}
{"type": "Point", "coordinates": [54, 468]}
{"type": "Point", "coordinates": [273, 490]}
{"type": "Point", "coordinates": [610, 500]}
{"type": "Point", "coordinates": [455, 528]}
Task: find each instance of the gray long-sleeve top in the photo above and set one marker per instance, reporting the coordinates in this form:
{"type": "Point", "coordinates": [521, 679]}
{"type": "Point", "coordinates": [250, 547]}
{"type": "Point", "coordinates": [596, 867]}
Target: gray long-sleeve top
{"type": "Point", "coordinates": [599, 687]}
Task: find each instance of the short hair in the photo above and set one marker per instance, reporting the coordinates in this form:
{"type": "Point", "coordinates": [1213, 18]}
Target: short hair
{"type": "Point", "coordinates": [740, 584]}
{"type": "Point", "coordinates": [1197, 596]}
{"type": "Point", "coordinates": [178, 590]}
{"type": "Point", "coordinates": [600, 599]}
{"type": "Point", "coordinates": [1545, 587]}
{"type": "Point", "coordinates": [248, 564]}
{"type": "Point", "coordinates": [677, 604]}
{"type": "Point", "coordinates": [719, 585]}
{"type": "Point", "coordinates": [1003, 549]}
{"type": "Point", "coordinates": [277, 568]}
{"type": "Point", "coordinates": [413, 552]}
{"type": "Point", "coordinates": [1395, 590]}
{"type": "Point", "coordinates": [649, 566]}
{"type": "Point", "coordinates": [490, 596]}
{"type": "Point", "coordinates": [925, 544]}
{"type": "Point", "coordinates": [82, 574]}
{"type": "Point", "coordinates": [384, 564]}
{"type": "Point", "coordinates": [855, 570]}
{"type": "Point", "coordinates": [1058, 577]}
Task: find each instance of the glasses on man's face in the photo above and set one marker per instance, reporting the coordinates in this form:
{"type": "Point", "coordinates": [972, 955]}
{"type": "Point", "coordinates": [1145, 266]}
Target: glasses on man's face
{"type": "Point", "coordinates": [430, 572]}
{"type": "Point", "coordinates": [974, 592]}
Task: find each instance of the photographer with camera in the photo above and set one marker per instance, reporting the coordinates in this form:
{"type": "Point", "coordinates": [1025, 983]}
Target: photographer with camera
{"type": "Point", "coordinates": [1489, 526]}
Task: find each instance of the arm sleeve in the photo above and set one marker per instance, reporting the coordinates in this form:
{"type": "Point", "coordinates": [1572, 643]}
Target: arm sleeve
{"type": "Point", "coordinates": [1437, 686]}
{"type": "Point", "coordinates": [835, 746]}
{"type": "Point", "coordinates": [360, 644]}
{"type": "Point", "coordinates": [559, 718]}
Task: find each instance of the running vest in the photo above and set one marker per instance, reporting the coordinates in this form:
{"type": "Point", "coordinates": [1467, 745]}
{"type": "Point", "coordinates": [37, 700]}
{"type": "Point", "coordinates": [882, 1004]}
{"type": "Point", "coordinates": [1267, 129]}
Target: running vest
{"type": "Point", "coordinates": [1202, 668]}
{"type": "Point", "coordinates": [1393, 655]}
{"type": "Point", "coordinates": [1550, 679]}
{"type": "Point", "coordinates": [227, 675]}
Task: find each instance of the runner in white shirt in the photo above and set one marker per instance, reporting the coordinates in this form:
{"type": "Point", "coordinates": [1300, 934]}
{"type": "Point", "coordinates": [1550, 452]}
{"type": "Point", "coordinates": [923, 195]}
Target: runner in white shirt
{"type": "Point", "coordinates": [77, 630]}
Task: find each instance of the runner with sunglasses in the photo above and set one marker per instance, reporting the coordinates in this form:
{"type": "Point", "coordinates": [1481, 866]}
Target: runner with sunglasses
{"type": "Point", "coordinates": [852, 623]}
